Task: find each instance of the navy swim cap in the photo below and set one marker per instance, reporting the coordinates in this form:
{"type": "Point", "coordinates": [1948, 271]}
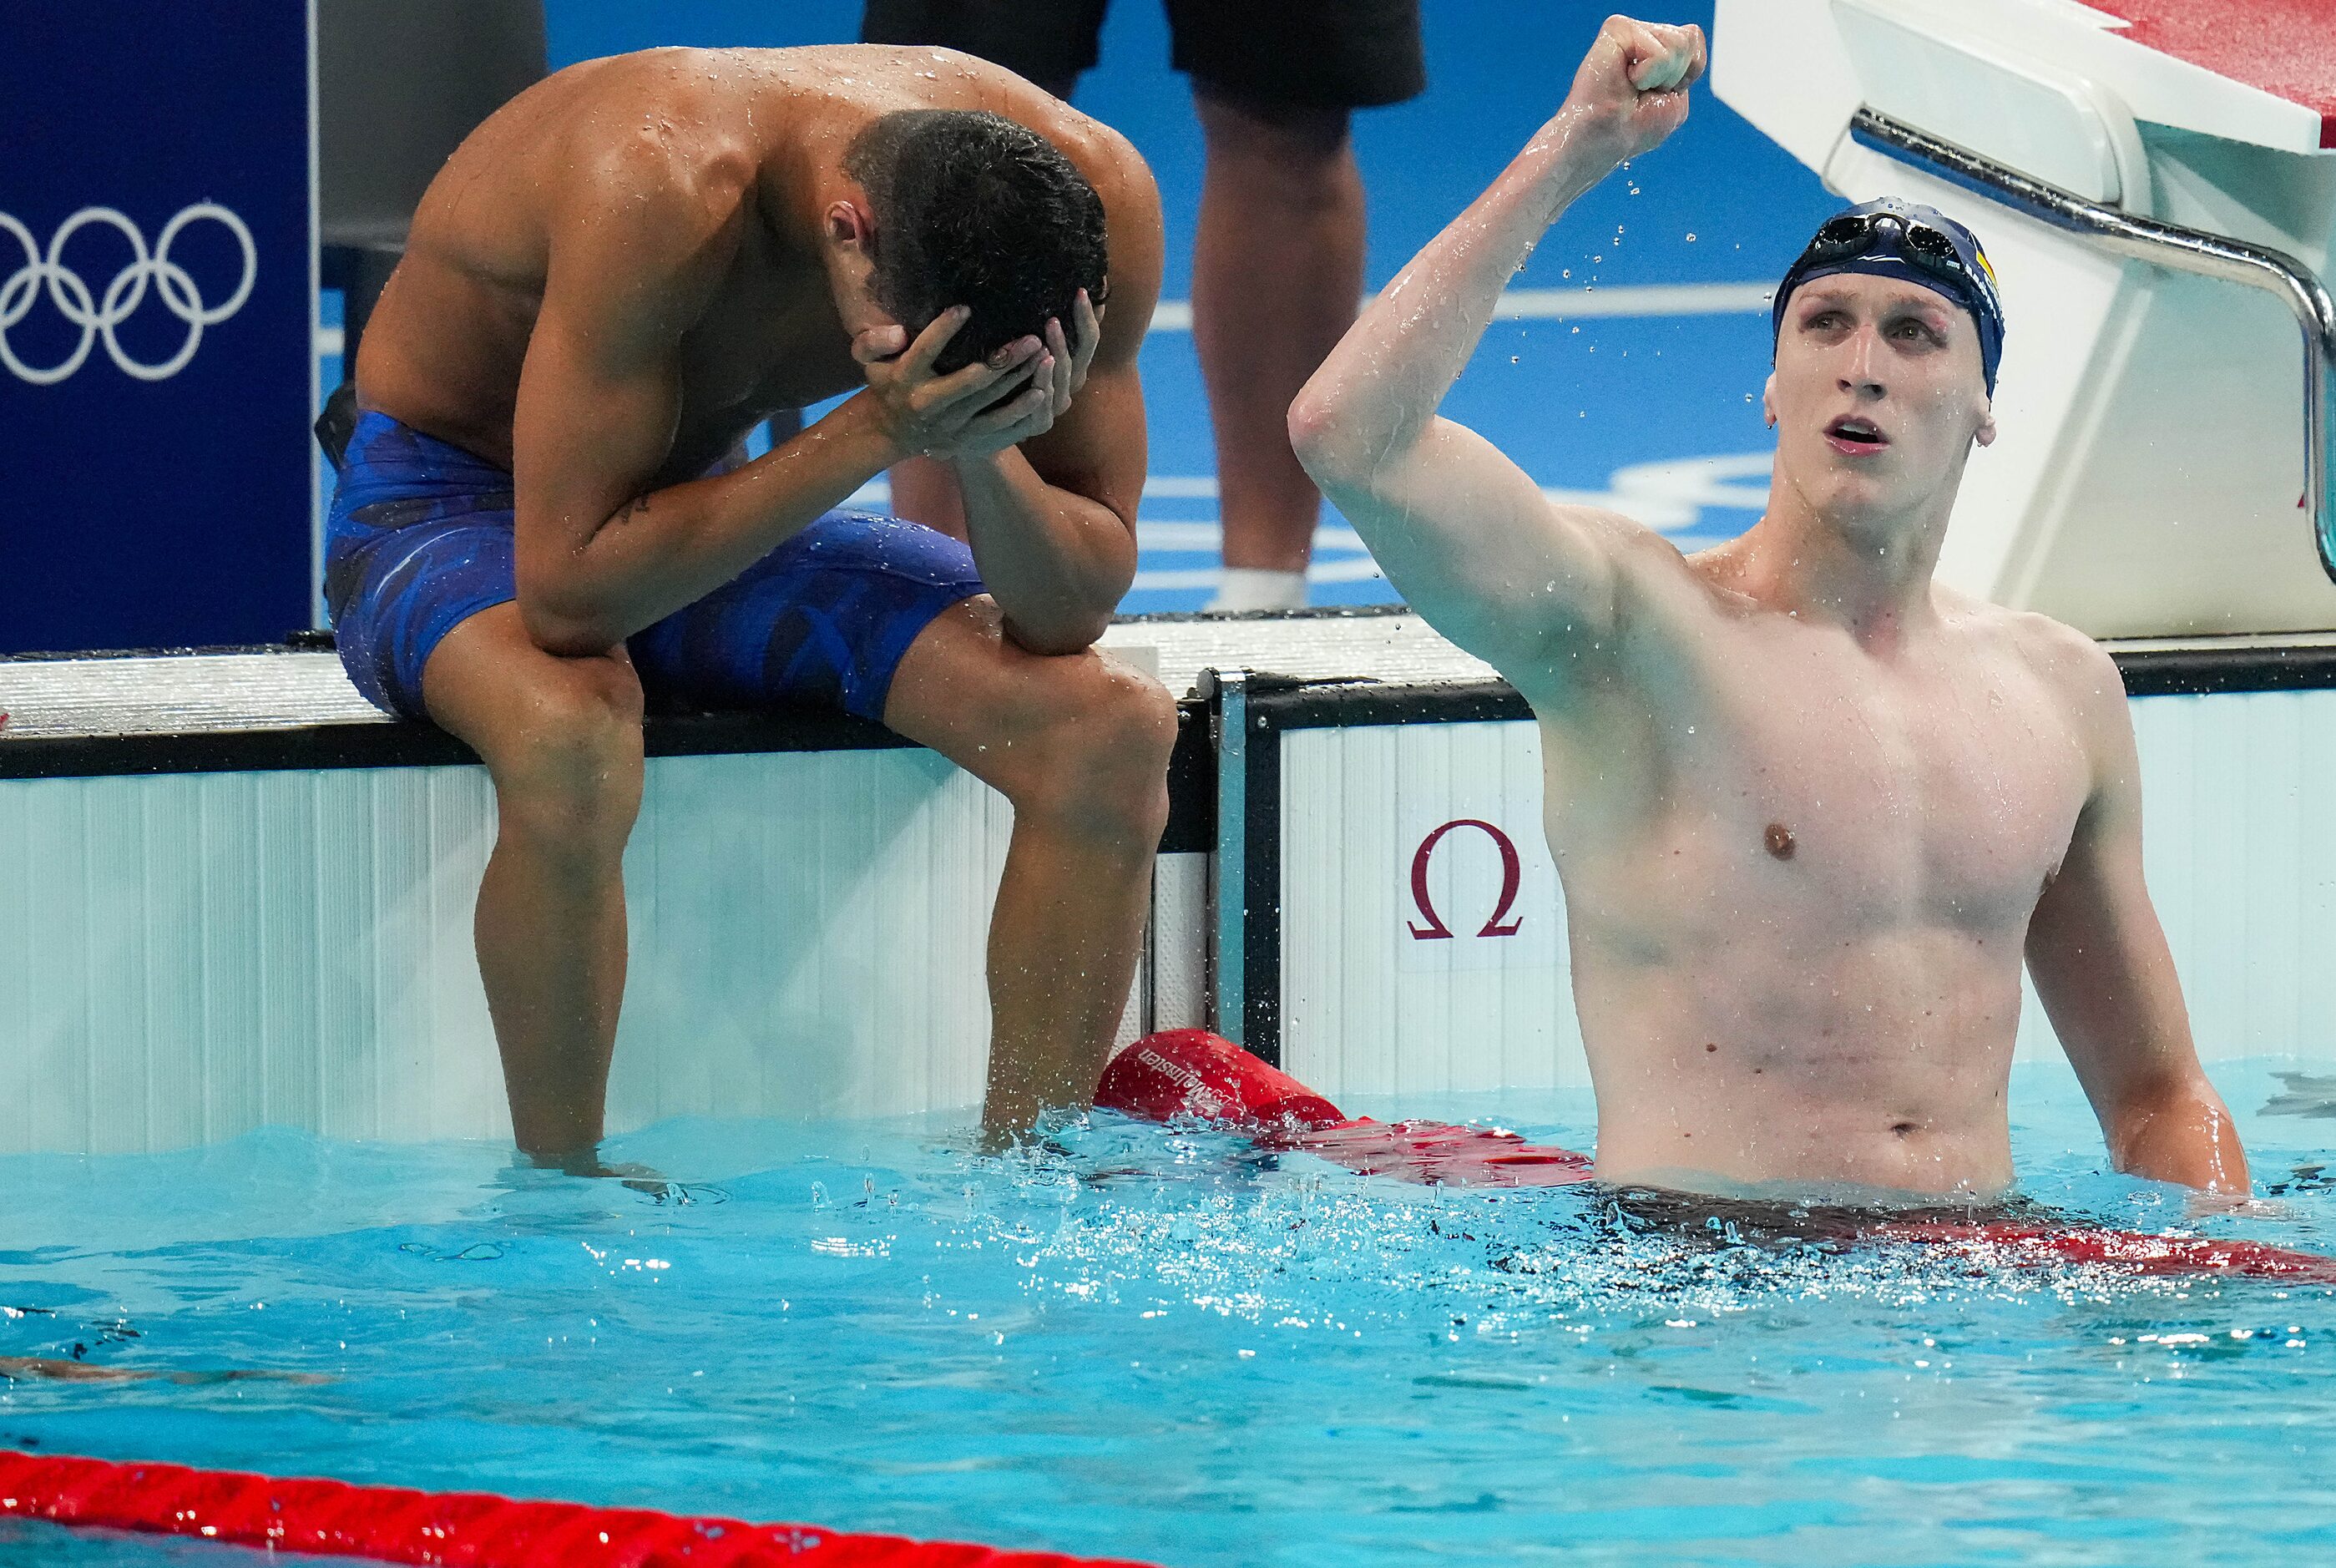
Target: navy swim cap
{"type": "Point", "coordinates": [1916, 244]}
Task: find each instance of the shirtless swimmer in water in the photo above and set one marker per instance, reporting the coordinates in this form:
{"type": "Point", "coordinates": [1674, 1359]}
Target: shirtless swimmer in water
{"type": "Point", "coordinates": [1809, 808]}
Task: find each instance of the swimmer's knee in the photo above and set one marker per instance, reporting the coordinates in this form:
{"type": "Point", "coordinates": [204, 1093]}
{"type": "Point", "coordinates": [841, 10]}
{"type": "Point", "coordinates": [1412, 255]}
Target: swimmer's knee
{"type": "Point", "coordinates": [566, 758]}
{"type": "Point", "coordinates": [1098, 763]}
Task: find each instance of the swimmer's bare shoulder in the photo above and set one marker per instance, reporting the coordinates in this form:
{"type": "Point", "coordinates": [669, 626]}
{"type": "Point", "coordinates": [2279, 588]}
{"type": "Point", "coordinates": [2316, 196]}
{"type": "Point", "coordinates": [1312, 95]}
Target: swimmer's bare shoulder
{"type": "Point", "coordinates": [2081, 681]}
{"type": "Point", "coordinates": [2078, 669]}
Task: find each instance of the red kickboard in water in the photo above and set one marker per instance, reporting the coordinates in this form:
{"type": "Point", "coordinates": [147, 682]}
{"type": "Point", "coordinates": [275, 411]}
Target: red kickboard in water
{"type": "Point", "coordinates": [1193, 1073]}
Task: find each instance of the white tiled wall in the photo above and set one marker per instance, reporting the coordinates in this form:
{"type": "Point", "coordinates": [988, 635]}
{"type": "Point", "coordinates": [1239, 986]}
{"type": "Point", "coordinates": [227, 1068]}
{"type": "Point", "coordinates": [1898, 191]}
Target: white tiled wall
{"type": "Point", "coordinates": [184, 957]}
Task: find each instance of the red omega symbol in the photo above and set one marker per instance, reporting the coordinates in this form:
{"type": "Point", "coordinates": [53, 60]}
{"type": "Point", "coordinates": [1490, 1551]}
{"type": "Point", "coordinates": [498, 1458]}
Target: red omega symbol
{"type": "Point", "coordinates": [1512, 873]}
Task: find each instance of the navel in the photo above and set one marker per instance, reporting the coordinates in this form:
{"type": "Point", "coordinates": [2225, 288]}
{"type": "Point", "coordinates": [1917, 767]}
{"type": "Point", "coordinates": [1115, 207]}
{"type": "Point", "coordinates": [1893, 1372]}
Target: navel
{"type": "Point", "coordinates": [1779, 839]}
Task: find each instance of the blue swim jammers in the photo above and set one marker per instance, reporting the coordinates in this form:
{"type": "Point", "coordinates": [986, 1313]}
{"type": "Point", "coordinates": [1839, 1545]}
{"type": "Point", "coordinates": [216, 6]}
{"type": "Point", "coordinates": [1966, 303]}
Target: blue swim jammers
{"type": "Point", "coordinates": [420, 540]}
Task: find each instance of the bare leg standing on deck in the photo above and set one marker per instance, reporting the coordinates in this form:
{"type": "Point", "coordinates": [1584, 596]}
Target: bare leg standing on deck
{"type": "Point", "coordinates": [1277, 270]}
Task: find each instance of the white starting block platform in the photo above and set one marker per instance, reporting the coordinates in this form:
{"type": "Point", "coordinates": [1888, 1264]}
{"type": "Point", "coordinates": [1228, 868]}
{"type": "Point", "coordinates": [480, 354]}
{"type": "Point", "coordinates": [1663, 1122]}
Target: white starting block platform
{"type": "Point", "coordinates": [232, 894]}
{"type": "Point", "coordinates": [2155, 182]}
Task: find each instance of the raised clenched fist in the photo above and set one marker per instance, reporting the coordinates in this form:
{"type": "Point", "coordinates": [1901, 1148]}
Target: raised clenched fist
{"type": "Point", "coordinates": [1630, 91]}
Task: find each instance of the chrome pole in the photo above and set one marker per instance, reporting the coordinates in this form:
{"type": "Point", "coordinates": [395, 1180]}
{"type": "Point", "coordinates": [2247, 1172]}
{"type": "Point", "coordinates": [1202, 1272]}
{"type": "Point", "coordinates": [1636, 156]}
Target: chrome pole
{"type": "Point", "coordinates": [2170, 247]}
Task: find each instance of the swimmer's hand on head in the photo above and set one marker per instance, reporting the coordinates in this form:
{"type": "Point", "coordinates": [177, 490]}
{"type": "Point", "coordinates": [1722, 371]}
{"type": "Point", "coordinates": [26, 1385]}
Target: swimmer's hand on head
{"type": "Point", "coordinates": [1049, 492]}
{"type": "Point", "coordinates": [1016, 395]}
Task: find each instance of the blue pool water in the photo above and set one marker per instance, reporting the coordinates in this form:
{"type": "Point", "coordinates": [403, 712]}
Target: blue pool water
{"type": "Point", "coordinates": [1163, 1345]}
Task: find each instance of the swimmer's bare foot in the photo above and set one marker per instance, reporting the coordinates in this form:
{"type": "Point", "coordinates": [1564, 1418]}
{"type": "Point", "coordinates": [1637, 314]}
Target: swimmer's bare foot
{"type": "Point", "coordinates": [646, 1179]}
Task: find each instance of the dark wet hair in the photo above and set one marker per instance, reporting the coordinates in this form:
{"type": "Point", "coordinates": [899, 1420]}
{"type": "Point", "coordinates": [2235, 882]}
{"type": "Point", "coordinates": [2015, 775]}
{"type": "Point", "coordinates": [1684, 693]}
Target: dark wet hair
{"type": "Point", "coordinates": [971, 208]}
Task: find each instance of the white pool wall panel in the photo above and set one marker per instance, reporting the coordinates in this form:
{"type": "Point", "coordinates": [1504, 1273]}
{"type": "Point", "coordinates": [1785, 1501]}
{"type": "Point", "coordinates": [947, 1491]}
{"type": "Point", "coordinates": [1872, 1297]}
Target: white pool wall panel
{"type": "Point", "coordinates": [2239, 845]}
{"type": "Point", "coordinates": [1177, 953]}
{"type": "Point", "coordinates": [1367, 1007]}
{"type": "Point", "coordinates": [184, 957]}
{"type": "Point", "coordinates": [2239, 803]}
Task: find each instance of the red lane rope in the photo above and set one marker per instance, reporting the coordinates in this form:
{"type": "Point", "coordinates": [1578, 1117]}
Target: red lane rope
{"type": "Point", "coordinates": [2005, 1241]}
{"type": "Point", "coordinates": [449, 1529]}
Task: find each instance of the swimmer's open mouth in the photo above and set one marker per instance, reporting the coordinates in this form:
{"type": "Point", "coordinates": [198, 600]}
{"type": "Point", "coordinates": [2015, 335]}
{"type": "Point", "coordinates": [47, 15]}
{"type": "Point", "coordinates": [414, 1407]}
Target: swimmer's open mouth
{"type": "Point", "coordinates": [1856, 437]}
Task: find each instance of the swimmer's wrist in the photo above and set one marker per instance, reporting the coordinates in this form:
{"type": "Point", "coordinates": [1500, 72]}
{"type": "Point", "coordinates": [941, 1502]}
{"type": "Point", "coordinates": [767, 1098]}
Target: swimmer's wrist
{"type": "Point", "coordinates": [858, 420]}
{"type": "Point", "coordinates": [1583, 144]}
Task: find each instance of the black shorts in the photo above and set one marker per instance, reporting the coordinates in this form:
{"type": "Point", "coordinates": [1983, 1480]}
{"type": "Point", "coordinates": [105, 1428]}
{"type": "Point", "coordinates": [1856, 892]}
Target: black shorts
{"type": "Point", "coordinates": [1277, 53]}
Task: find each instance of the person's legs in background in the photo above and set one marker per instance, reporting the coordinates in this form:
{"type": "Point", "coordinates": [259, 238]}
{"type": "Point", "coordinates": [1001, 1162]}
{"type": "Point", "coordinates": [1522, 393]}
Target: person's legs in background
{"type": "Point", "coordinates": [1278, 263]}
{"type": "Point", "coordinates": [1277, 271]}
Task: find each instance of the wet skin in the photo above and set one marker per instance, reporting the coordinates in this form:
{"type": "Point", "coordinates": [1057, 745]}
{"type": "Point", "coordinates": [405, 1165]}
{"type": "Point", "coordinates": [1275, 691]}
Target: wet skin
{"type": "Point", "coordinates": [1810, 810]}
{"type": "Point", "coordinates": [609, 283]}
{"type": "Point", "coordinates": [755, 135]}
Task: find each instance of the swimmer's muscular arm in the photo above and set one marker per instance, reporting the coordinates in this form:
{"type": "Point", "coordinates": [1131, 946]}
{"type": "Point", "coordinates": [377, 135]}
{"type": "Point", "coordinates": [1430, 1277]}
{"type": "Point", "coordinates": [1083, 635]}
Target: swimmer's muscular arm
{"type": "Point", "coordinates": [2100, 963]}
{"type": "Point", "coordinates": [1466, 536]}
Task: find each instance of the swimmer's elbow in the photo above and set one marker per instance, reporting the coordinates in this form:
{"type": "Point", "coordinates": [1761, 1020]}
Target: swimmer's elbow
{"type": "Point", "coordinates": [2174, 1127]}
{"type": "Point", "coordinates": [1317, 434]}
{"type": "Point", "coordinates": [1056, 637]}
{"type": "Point", "coordinates": [1342, 448]}
{"type": "Point", "coordinates": [568, 631]}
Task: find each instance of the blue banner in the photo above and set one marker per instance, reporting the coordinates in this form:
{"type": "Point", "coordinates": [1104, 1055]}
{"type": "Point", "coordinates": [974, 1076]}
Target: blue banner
{"type": "Point", "coordinates": [157, 347]}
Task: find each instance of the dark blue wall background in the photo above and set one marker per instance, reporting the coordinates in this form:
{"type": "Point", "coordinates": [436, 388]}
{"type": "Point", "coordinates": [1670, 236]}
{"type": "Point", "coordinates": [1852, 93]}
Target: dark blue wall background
{"type": "Point", "coordinates": [137, 514]}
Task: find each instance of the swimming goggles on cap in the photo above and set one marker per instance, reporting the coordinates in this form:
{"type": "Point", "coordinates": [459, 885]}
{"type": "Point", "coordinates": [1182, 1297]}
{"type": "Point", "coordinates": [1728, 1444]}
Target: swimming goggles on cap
{"type": "Point", "coordinates": [1926, 248]}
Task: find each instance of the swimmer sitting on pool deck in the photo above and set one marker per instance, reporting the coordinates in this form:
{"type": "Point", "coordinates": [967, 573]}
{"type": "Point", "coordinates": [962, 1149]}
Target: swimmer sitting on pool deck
{"type": "Point", "coordinates": [1807, 806]}
{"type": "Point", "coordinates": [540, 525]}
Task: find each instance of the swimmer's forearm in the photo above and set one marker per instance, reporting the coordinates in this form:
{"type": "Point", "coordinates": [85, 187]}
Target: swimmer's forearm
{"type": "Point", "coordinates": [674, 546]}
{"type": "Point", "coordinates": [2181, 1133]}
{"type": "Point", "coordinates": [1057, 562]}
{"type": "Point", "coordinates": [1378, 391]}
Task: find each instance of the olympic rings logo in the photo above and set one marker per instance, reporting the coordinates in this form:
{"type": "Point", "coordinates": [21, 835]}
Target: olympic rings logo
{"type": "Point", "coordinates": [97, 314]}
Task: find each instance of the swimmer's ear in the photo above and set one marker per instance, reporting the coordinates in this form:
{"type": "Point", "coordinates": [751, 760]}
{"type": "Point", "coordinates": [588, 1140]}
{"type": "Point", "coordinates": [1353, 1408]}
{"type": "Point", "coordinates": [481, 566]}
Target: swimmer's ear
{"type": "Point", "coordinates": [1985, 434]}
{"type": "Point", "coordinates": [848, 225]}
{"type": "Point", "coordinates": [1769, 400]}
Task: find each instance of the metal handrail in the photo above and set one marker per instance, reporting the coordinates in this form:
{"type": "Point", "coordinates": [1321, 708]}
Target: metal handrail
{"type": "Point", "coordinates": [2173, 247]}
